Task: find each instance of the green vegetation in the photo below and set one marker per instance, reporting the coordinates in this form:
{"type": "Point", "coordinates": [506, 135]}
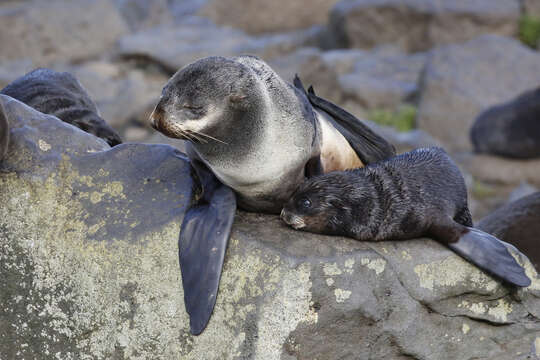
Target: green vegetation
{"type": "Point", "coordinates": [481, 190]}
{"type": "Point", "coordinates": [529, 30]}
{"type": "Point", "coordinates": [403, 119]}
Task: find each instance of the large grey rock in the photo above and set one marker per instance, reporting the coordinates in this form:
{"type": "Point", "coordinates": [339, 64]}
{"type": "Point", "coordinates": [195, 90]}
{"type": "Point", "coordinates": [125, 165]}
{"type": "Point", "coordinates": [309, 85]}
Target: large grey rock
{"type": "Point", "coordinates": [89, 269]}
{"type": "Point", "coordinates": [175, 46]}
{"type": "Point", "coordinates": [356, 79]}
{"type": "Point", "coordinates": [260, 16]}
{"type": "Point", "coordinates": [140, 14]}
{"type": "Point", "coordinates": [460, 81]}
{"type": "Point", "coordinates": [519, 224]}
{"type": "Point", "coordinates": [58, 30]}
{"type": "Point", "coordinates": [122, 94]}
{"type": "Point", "coordinates": [417, 25]}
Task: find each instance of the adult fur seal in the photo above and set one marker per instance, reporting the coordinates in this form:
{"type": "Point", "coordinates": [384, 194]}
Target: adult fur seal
{"type": "Point", "coordinates": [61, 95]}
{"type": "Point", "coordinates": [420, 193]}
{"type": "Point", "coordinates": [252, 137]}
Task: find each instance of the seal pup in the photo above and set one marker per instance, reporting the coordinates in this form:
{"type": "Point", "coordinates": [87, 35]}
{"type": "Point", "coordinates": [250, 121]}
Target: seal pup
{"type": "Point", "coordinates": [61, 95]}
{"type": "Point", "coordinates": [252, 138]}
{"type": "Point", "coordinates": [511, 129]}
{"type": "Point", "coordinates": [4, 133]}
{"type": "Point", "coordinates": [419, 193]}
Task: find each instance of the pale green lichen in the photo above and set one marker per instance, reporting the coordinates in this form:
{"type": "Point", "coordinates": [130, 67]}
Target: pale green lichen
{"type": "Point", "coordinates": [342, 295]}
{"type": "Point", "coordinates": [377, 265]}
{"type": "Point", "coordinates": [450, 272]}
{"type": "Point", "coordinates": [331, 269]}
{"type": "Point", "coordinates": [465, 329]}
{"type": "Point", "coordinates": [499, 312]}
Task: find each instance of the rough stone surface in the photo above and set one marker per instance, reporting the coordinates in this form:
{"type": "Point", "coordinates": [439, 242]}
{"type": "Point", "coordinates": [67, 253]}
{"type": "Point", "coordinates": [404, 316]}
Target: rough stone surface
{"type": "Point", "coordinates": [498, 170]}
{"type": "Point", "coordinates": [58, 30]}
{"type": "Point", "coordinates": [123, 95]}
{"type": "Point", "coordinates": [174, 47]}
{"type": "Point", "coordinates": [460, 81]}
{"type": "Point", "coordinates": [260, 16]}
{"type": "Point", "coordinates": [519, 224]}
{"type": "Point", "coordinates": [89, 269]}
{"type": "Point", "coordinates": [417, 25]}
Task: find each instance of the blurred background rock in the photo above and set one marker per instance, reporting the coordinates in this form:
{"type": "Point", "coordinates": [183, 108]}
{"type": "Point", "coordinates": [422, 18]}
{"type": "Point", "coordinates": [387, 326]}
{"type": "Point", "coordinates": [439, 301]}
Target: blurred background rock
{"type": "Point", "coordinates": [420, 71]}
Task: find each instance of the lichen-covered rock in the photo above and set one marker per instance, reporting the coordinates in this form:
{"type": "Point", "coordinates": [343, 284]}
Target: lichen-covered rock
{"type": "Point", "coordinates": [58, 31]}
{"type": "Point", "coordinates": [518, 223]}
{"type": "Point", "coordinates": [89, 270]}
{"type": "Point", "coordinates": [417, 25]}
{"type": "Point", "coordinates": [460, 81]}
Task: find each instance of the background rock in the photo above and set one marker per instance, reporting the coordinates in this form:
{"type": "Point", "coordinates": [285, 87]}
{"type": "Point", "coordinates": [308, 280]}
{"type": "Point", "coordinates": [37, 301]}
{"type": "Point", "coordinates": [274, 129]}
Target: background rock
{"type": "Point", "coordinates": [261, 16]}
{"type": "Point", "coordinates": [58, 30]}
{"type": "Point", "coordinates": [417, 25]}
{"type": "Point", "coordinates": [89, 269]}
{"type": "Point", "coordinates": [519, 224]}
{"type": "Point", "coordinates": [460, 81]}
{"type": "Point", "coordinates": [140, 14]}
{"type": "Point", "coordinates": [531, 7]}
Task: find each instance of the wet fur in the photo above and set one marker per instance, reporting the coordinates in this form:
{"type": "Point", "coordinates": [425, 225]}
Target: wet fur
{"type": "Point", "coordinates": [4, 133]}
{"type": "Point", "coordinates": [61, 95]}
{"type": "Point", "coordinates": [420, 193]}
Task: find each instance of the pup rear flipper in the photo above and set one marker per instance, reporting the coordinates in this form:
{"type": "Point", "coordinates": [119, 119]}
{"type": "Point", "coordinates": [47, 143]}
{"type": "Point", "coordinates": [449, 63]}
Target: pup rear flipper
{"type": "Point", "coordinates": [202, 244]}
{"type": "Point", "coordinates": [491, 255]}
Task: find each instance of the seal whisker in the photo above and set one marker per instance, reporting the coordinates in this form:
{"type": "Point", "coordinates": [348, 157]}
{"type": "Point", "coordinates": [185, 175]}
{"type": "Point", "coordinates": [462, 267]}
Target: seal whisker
{"type": "Point", "coordinates": [211, 137]}
{"type": "Point", "coordinates": [193, 135]}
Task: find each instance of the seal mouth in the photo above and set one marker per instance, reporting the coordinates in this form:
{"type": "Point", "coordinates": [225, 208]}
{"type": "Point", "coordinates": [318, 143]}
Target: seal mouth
{"type": "Point", "coordinates": [295, 221]}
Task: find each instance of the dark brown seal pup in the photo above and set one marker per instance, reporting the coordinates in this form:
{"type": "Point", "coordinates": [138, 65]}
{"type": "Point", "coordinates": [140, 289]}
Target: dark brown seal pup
{"type": "Point", "coordinates": [4, 133]}
{"type": "Point", "coordinates": [253, 138]}
{"type": "Point", "coordinates": [61, 95]}
{"type": "Point", "coordinates": [419, 193]}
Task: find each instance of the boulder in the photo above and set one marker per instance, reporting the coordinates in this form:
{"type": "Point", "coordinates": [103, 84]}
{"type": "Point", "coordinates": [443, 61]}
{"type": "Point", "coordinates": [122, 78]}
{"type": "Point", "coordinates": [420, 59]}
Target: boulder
{"type": "Point", "coordinates": [261, 16]}
{"type": "Point", "coordinates": [518, 223]}
{"type": "Point", "coordinates": [58, 30]}
{"type": "Point", "coordinates": [511, 129]}
{"type": "Point", "coordinates": [140, 14]}
{"type": "Point", "coordinates": [417, 25]}
{"type": "Point", "coordinates": [175, 46]}
{"type": "Point", "coordinates": [461, 81]}
{"type": "Point", "coordinates": [124, 95]}
{"type": "Point", "coordinates": [89, 269]}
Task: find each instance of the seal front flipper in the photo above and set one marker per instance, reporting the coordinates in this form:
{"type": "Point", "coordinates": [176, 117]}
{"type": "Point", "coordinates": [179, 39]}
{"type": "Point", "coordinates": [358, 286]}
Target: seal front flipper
{"type": "Point", "coordinates": [490, 254]}
{"type": "Point", "coordinates": [203, 240]}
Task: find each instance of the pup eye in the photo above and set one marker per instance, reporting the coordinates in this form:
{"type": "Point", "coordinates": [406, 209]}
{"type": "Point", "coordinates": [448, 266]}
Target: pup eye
{"type": "Point", "coordinates": [304, 203]}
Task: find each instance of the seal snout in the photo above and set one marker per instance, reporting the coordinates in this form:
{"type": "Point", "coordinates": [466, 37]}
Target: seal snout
{"type": "Point", "coordinates": [293, 220]}
{"type": "Point", "coordinates": [156, 117]}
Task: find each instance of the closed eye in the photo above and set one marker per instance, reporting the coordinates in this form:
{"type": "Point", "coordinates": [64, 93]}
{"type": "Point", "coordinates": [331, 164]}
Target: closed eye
{"type": "Point", "coordinates": [192, 107]}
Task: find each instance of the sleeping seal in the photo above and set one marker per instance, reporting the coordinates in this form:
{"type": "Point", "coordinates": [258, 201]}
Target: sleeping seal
{"type": "Point", "coordinates": [252, 137]}
{"type": "Point", "coordinates": [420, 193]}
{"type": "Point", "coordinates": [61, 95]}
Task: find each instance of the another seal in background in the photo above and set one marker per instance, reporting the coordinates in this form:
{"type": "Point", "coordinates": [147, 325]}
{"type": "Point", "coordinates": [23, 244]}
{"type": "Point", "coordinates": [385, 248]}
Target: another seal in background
{"type": "Point", "coordinates": [419, 193]}
{"type": "Point", "coordinates": [252, 137]}
{"type": "Point", "coordinates": [4, 133]}
{"type": "Point", "coordinates": [61, 95]}
{"type": "Point", "coordinates": [511, 129]}
{"type": "Point", "coordinates": [517, 223]}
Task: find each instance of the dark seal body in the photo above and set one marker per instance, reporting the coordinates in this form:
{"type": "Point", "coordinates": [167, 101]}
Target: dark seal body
{"type": "Point", "coordinates": [61, 95]}
{"type": "Point", "coordinates": [420, 193]}
{"type": "Point", "coordinates": [511, 129]}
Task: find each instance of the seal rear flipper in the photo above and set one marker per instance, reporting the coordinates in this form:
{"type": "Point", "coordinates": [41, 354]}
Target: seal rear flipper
{"type": "Point", "coordinates": [369, 146]}
{"type": "Point", "coordinates": [491, 255]}
{"type": "Point", "coordinates": [203, 240]}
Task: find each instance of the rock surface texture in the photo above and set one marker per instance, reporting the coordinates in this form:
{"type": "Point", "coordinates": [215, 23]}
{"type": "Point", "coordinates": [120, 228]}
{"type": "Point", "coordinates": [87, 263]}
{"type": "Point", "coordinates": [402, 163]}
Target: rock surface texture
{"type": "Point", "coordinates": [417, 25]}
{"type": "Point", "coordinates": [89, 270]}
{"type": "Point", "coordinates": [461, 81]}
{"type": "Point", "coordinates": [49, 31]}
